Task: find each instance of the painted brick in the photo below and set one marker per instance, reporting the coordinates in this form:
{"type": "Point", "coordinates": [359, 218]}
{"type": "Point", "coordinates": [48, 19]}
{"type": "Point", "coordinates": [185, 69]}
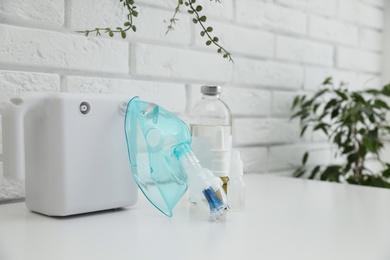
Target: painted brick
{"type": "Point", "coordinates": [247, 102]}
{"type": "Point", "coordinates": [371, 39]}
{"type": "Point", "coordinates": [181, 64]}
{"type": "Point", "coordinates": [1, 140]}
{"type": "Point", "coordinates": [251, 131]}
{"type": "Point", "coordinates": [241, 101]}
{"type": "Point", "coordinates": [348, 10]}
{"type": "Point", "coordinates": [366, 80]}
{"type": "Point", "coordinates": [344, 77]}
{"type": "Point", "coordinates": [194, 96]}
{"type": "Point", "coordinates": [10, 190]}
{"type": "Point", "coordinates": [317, 136]}
{"type": "Point", "coordinates": [150, 21]}
{"type": "Point", "coordinates": [171, 96]}
{"type": "Point", "coordinates": [377, 3]}
{"type": "Point", "coordinates": [332, 30]}
{"type": "Point", "coordinates": [41, 12]}
{"type": "Point", "coordinates": [359, 60]}
{"type": "Point", "coordinates": [270, 16]}
{"type": "Point", "coordinates": [284, 19]}
{"type": "Point", "coordinates": [167, 4]}
{"type": "Point", "coordinates": [321, 7]}
{"type": "Point", "coordinates": [254, 159]}
{"type": "Point", "coordinates": [224, 9]}
{"type": "Point", "coordinates": [251, 12]}
{"type": "Point", "coordinates": [315, 76]}
{"type": "Point", "coordinates": [237, 39]}
{"type": "Point", "coordinates": [13, 83]}
{"type": "Point", "coordinates": [304, 51]}
{"type": "Point", "coordinates": [362, 14]}
{"type": "Point", "coordinates": [301, 4]}
{"type": "Point", "coordinates": [288, 157]}
{"type": "Point", "coordinates": [282, 102]}
{"type": "Point", "coordinates": [262, 73]}
{"type": "Point", "coordinates": [210, 8]}
{"type": "Point", "coordinates": [371, 17]}
{"type": "Point", "coordinates": [47, 49]}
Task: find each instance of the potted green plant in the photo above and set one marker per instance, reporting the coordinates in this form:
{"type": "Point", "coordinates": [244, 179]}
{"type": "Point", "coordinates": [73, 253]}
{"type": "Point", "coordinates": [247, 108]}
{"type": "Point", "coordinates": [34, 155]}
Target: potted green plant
{"type": "Point", "coordinates": [191, 7]}
{"type": "Point", "coordinates": [355, 124]}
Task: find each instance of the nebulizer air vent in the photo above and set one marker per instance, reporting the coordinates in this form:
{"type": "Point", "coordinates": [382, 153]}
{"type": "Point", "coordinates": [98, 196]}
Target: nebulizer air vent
{"type": "Point", "coordinates": [163, 163]}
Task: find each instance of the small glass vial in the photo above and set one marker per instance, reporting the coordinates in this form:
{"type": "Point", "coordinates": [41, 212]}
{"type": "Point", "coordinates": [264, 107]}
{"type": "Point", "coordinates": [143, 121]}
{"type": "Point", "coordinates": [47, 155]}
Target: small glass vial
{"type": "Point", "coordinates": [211, 130]}
{"type": "Point", "coordinates": [236, 185]}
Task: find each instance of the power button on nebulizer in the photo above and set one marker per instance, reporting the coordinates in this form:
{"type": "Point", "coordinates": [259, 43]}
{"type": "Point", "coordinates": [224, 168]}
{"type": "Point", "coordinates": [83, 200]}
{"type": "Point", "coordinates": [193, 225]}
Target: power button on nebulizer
{"type": "Point", "coordinates": [85, 107]}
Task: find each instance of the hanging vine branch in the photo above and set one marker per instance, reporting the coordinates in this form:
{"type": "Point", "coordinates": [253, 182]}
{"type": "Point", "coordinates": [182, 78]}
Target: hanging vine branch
{"type": "Point", "coordinates": [191, 9]}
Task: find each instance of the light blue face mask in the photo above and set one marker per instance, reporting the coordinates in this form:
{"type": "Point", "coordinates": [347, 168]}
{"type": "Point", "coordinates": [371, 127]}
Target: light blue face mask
{"type": "Point", "coordinates": [162, 161]}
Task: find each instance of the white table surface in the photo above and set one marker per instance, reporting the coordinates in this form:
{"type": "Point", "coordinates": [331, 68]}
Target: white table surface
{"type": "Point", "coordinates": [285, 218]}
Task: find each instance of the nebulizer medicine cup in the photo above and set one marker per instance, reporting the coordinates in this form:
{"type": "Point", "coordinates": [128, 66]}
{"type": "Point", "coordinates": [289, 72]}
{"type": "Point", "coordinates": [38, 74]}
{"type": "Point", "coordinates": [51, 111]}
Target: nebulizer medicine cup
{"type": "Point", "coordinates": [206, 188]}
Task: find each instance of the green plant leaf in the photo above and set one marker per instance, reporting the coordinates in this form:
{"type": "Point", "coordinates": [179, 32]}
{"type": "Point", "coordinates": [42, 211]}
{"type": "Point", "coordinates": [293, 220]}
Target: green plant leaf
{"type": "Point", "coordinates": [328, 81]}
{"type": "Point", "coordinates": [314, 172]}
{"type": "Point", "coordinates": [295, 102]}
{"type": "Point", "coordinates": [386, 90]}
{"type": "Point", "coordinates": [335, 112]}
{"type": "Point", "coordinates": [381, 104]}
{"type": "Point", "coordinates": [322, 126]}
{"type": "Point", "coordinates": [303, 130]}
{"type": "Point", "coordinates": [304, 159]}
{"type": "Point", "coordinates": [341, 94]}
{"type": "Point", "coordinates": [368, 144]}
{"type": "Point", "coordinates": [386, 172]}
{"type": "Point", "coordinates": [315, 107]}
{"type": "Point", "coordinates": [352, 157]}
{"type": "Point", "coordinates": [373, 91]}
{"type": "Point", "coordinates": [298, 172]}
{"type": "Point", "coordinates": [347, 149]}
{"type": "Point", "coordinates": [320, 93]}
{"type": "Point", "coordinates": [331, 173]}
{"type": "Point", "coordinates": [297, 114]}
{"type": "Point", "coordinates": [358, 98]}
{"type": "Point", "coordinates": [330, 104]}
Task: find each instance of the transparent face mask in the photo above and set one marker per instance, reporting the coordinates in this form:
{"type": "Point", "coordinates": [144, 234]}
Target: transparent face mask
{"type": "Point", "coordinates": [162, 161]}
{"type": "Point", "coordinates": [152, 135]}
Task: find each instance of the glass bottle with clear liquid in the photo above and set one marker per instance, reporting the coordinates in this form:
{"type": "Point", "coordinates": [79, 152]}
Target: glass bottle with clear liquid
{"type": "Point", "coordinates": [211, 130]}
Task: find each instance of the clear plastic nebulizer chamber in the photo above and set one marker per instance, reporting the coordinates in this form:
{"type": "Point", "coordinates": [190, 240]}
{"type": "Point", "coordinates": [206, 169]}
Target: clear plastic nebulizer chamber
{"type": "Point", "coordinates": [163, 163]}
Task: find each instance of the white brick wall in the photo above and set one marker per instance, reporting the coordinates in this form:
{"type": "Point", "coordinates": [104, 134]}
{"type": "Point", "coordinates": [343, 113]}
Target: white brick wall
{"type": "Point", "coordinates": [44, 13]}
{"type": "Point", "coordinates": [280, 48]}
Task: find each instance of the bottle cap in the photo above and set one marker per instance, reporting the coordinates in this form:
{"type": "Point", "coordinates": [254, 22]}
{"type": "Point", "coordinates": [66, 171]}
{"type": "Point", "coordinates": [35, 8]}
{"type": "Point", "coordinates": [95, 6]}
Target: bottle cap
{"type": "Point", "coordinates": [211, 90]}
{"type": "Point", "coordinates": [236, 167]}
